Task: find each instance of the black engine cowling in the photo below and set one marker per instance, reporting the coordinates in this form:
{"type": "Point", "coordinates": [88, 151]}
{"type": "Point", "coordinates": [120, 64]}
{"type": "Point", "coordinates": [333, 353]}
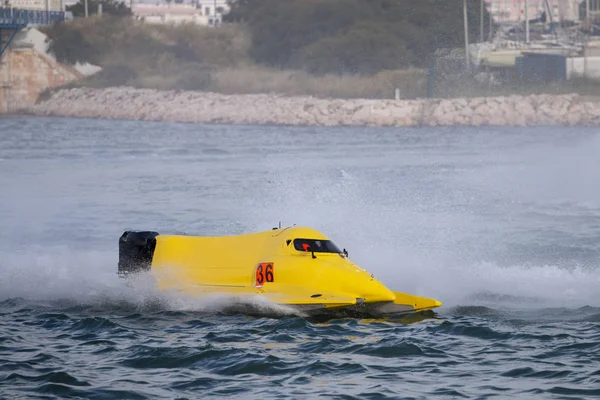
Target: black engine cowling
{"type": "Point", "coordinates": [136, 250]}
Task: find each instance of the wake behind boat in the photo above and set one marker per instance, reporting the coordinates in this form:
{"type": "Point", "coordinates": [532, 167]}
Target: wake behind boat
{"type": "Point", "coordinates": [297, 267]}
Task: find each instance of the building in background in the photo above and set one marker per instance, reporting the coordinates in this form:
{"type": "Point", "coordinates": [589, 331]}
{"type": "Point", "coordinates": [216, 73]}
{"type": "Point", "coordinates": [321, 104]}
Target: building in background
{"type": "Point", "coordinates": [163, 13]}
{"type": "Point", "coordinates": [39, 5]}
{"type": "Point", "coordinates": [202, 12]}
{"type": "Point", "coordinates": [511, 11]}
{"type": "Point", "coordinates": [214, 8]}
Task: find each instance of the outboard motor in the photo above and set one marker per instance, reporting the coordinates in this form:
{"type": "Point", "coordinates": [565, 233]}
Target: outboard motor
{"type": "Point", "coordinates": [136, 250]}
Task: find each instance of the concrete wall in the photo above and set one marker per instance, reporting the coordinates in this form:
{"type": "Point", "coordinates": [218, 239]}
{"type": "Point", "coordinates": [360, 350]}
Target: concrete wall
{"type": "Point", "coordinates": [25, 73]}
{"type": "Point", "coordinates": [577, 67]}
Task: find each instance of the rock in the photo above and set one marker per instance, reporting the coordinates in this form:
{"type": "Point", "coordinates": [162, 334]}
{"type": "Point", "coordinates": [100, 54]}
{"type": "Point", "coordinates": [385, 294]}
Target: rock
{"type": "Point", "coordinates": [206, 107]}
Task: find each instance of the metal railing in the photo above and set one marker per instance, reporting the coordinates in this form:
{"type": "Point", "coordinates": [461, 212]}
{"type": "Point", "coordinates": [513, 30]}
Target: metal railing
{"type": "Point", "coordinates": [15, 18]}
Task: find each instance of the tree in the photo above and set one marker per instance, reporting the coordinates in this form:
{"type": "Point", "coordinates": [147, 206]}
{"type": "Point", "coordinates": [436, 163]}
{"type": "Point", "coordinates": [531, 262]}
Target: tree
{"type": "Point", "coordinates": [365, 48]}
{"type": "Point", "coordinates": [97, 40]}
{"type": "Point", "coordinates": [70, 46]}
{"type": "Point", "coordinates": [110, 7]}
{"type": "Point", "coordinates": [280, 28]}
{"type": "Point", "coordinates": [363, 36]}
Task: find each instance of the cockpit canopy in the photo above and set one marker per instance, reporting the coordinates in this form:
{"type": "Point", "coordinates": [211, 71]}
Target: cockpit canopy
{"type": "Point", "coordinates": [316, 245]}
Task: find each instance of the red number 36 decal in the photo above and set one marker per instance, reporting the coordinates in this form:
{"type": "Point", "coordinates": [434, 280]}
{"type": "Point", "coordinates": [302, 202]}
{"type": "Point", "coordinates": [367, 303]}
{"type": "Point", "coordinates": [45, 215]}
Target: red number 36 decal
{"type": "Point", "coordinates": [264, 273]}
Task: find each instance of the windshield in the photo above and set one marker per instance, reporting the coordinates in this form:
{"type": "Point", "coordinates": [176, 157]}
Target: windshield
{"type": "Point", "coordinates": [320, 246]}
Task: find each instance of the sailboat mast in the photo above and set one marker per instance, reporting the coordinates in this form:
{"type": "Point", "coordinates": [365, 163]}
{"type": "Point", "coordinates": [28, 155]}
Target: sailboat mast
{"type": "Point", "coordinates": [526, 21]}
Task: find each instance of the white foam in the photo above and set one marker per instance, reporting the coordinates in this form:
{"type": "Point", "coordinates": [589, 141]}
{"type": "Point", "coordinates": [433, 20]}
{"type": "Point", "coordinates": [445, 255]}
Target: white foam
{"type": "Point", "coordinates": [50, 274]}
{"type": "Point", "coordinates": [422, 245]}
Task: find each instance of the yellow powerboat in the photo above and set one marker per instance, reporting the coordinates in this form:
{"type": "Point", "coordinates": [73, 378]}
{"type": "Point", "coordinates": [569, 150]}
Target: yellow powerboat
{"type": "Point", "coordinates": [295, 266]}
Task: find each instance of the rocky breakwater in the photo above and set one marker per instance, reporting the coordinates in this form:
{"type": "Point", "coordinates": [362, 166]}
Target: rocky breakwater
{"type": "Point", "coordinates": [202, 107]}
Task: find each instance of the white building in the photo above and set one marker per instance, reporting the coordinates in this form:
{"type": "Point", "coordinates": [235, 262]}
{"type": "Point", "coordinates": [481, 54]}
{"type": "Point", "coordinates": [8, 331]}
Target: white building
{"type": "Point", "coordinates": [40, 5]}
{"type": "Point", "coordinates": [163, 13]}
{"type": "Point", "coordinates": [213, 7]}
{"type": "Point", "coordinates": [510, 11]}
{"type": "Point", "coordinates": [202, 12]}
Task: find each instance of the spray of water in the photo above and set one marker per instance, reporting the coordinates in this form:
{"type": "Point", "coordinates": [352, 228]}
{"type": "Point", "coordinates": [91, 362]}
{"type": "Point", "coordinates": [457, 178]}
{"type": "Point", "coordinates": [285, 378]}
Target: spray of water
{"type": "Point", "coordinates": [67, 277]}
{"type": "Point", "coordinates": [417, 241]}
{"type": "Point", "coordinates": [422, 229]}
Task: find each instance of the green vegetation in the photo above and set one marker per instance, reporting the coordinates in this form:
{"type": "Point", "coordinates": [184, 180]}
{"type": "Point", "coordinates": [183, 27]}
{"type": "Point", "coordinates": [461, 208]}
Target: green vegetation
{"type": "Point", "coordinates": [346, 48]}
{"type": "Point", "coordinates": [153, 56]}
{"type": "Point", "coordinates": [194, 57]}
{"type": "Point", "coordinates": [411, 82]}
{"type": "Point", "coordinates": [352, 36]}
{"type": "Point", "coordinates": [325, 48]}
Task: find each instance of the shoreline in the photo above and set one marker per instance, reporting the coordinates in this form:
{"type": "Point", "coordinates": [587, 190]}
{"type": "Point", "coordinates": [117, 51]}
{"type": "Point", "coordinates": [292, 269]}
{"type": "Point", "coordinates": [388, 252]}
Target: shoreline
{"type": "Point", "coordinates": [125, 103]}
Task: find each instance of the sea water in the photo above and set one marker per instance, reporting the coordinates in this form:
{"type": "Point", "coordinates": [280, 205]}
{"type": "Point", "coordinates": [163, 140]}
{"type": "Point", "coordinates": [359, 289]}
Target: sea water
{"type": "Point", "coordinates": [500, 224]}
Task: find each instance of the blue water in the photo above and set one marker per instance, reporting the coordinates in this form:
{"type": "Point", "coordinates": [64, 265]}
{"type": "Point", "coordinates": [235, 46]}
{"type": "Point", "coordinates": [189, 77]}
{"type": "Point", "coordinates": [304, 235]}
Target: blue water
{"type": "Point", "coordinates": [500, 224]}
